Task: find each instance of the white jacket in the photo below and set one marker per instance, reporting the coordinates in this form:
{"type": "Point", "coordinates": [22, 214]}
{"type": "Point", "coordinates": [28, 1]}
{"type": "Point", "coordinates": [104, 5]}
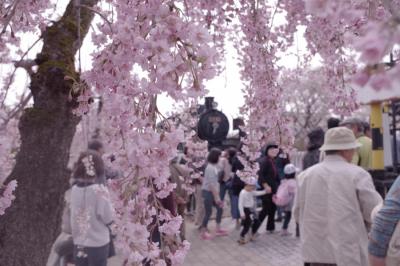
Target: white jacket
{"type": "Point", "coordinates": [333, 206]}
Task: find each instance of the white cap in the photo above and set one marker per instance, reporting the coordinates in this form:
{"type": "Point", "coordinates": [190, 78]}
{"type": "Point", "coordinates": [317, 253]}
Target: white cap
{"type": "Point", "coordinates": [252, 181]}
{"type": "Point", "coordinates": [290, 169]}
{"type": "Point", "coordinates": [339, 138]}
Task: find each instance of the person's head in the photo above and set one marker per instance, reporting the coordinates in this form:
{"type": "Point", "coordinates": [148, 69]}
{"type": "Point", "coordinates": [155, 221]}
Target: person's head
{"type": "Point", "coordinates": [89, 166]}
{"type": "Point", "coordinates": [251, 183]}
{"type": "Point", "coordinates": [340, 141]}
{"type": "Point", "coordinates": [224, 154]}
{"type": "Point", "coordinates": [316, 138]}
{"type": "Point", "coordinates": [271, 150]}
{"type": "Point", "coordinates": [96, 145]}
{"type": "Point", "coordinates": [231, 152]}
{"type": "Point", "coordinates": [354, 124]}
{"type": "Point", "coordinates": [213, 155]}
{"type": "Point", "coordinates": [290, 171]}
{"type": "Point", "coordinates": [333, 122]}
{"type": "Point", "coordinates": [367, 129]}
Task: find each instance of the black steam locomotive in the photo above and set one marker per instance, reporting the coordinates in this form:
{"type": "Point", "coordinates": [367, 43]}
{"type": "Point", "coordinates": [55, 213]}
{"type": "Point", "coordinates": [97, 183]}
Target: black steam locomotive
{"type": "Point", "coordinates": [213, 126]}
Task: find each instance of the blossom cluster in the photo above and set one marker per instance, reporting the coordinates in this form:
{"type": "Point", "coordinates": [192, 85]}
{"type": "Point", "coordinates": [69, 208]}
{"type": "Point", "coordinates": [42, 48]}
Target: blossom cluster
{"type": "Point", "coordinates": [263, 96]}
{"type": "Point", "coordinates": [9, 142]}
{"type": "Point", "coordinates": [370, 28]}
{"type": "Point", "coordinates": [145, 49]}
{"type": "Point", "coordinates": [7, 196]}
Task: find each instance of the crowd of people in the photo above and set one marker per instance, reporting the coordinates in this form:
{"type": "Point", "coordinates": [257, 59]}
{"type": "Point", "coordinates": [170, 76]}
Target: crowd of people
{"type": "Point", "coordinates": [246, 196]}
{"type": "Point", "coordinates": [332, 200]}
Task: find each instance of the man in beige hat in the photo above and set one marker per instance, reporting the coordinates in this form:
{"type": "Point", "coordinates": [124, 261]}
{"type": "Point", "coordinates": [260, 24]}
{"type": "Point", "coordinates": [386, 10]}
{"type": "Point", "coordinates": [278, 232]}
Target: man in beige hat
{"type": "Point", "coordinates": [334, 203]}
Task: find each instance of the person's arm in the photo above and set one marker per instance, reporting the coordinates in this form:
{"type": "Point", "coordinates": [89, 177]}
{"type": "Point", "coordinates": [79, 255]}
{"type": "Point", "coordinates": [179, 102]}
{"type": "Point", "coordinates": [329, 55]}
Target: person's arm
{"type": "Point", "coordinates": [185, 170]}
{"type": "Point", "coordinates": [262, 192]}
{"type": "Point", "coordinates": [269, 183]}
{"type": "Point", "coordinates": [375, 261]}
{"type": "Point", "coordinates": [262, 174]}
{"type": "Point", "coordinates": [227, 170]}
{"type": "Point", "coordinates": [297, 198]}
{"type": "Point", "coordinates": [214, 185]}
{"type": "Point", "coordinates": [356, 157]}
{"type": "Point", "coordinates": [384, 224]}
{"type": "Point", "coordinates": [241, 207]}
{"type": "Point", "coordinates": [214, 191]}
{"type": "Point", "coordinates": [296, 209]}
{"type": "Point", "coordinates": [368, 197]}
{"type": "Point", "coordinates": [105, 210]}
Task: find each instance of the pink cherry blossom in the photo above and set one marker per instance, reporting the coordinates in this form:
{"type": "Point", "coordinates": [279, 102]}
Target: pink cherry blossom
{"type": "Point", "coordinates": [148, 48]}
{"type": "Point", "coordinates": [361, 78]}
{"type": "Point", "coordinates": [318, 7]}
{"type": "Point", "coordinates": [7, 196]}
{"type": "Point", "coordinates": [380, 81]}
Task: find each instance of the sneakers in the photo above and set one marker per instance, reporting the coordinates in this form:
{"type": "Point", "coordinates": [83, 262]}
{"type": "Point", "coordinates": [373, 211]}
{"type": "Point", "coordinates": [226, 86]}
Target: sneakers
{"type": "Point", "coordinates": [242, 241]}
{"type": "Point", "coordinates": [285, 233]}
{"type": "Point", "coordinates": [206, 236]}
{"type": "Point", "coordinates": [254, 237]}
{"type": "Point", "coordinates": [221, 232]}
{"type": "Point", "coordinates": [238, 225]}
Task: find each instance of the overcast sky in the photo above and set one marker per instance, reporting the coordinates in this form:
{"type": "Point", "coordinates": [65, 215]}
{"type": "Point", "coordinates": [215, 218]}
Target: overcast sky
{"type": "Point", "coordinates": [226, 88]}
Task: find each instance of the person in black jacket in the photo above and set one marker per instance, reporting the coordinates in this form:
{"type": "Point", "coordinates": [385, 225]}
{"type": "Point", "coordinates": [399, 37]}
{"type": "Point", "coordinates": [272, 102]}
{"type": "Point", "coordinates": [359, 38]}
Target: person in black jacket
{"type": "Point", "coordinates": [237, 184]}
{"type": "Point", "coordinates": [315, 141]}
{"type": "Point", "coordinates": [267, 179]}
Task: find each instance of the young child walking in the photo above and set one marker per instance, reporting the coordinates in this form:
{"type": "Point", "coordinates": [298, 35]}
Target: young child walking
{"type": "Point", "coordinates": [284, 197]}
{"type": "Point", "coordinates": [247, 206]}
{"type": "Point", "coordinates": [91, 212]}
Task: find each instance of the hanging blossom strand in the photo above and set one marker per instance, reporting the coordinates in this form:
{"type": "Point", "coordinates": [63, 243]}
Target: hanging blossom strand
{"type": "Point", "coordinates": [265, 119]}
{"type": "Point", "coordinates": [153, 48]}
{"type": "Point", "coordinates": [371, 28]}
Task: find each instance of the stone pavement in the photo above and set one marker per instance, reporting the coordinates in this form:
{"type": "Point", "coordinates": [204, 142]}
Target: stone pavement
{"type": "Point", "coordinates": [267, 250]}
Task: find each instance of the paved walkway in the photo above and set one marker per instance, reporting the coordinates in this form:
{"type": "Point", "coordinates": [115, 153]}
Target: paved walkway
{"type": "Point", "coordinates": [268, 250]}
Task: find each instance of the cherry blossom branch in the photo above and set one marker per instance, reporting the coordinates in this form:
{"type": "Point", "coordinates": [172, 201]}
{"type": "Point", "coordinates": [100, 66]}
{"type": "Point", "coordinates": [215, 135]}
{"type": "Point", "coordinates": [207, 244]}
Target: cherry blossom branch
{"type": "Point", "coordinates": [17, 110]}
{"type": "Point", "coordinates": [17, 64]}
{"type": "Point", "coordinates": [8, 17]}
{"type": "Point", "coordinates": [100, 14]}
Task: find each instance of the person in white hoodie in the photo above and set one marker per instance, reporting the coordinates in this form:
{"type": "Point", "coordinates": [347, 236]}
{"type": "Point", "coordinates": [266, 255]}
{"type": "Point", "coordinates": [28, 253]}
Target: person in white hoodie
{"type": "Point", "coordinates": [247, 206]}
{"type": "Point", "coordinates": [91, 212]}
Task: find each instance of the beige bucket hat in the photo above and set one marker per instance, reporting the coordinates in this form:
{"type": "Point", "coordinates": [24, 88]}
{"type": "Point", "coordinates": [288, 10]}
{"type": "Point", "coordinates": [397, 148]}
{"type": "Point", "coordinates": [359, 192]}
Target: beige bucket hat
{"type": "Point", "coordinates": [339, 138]}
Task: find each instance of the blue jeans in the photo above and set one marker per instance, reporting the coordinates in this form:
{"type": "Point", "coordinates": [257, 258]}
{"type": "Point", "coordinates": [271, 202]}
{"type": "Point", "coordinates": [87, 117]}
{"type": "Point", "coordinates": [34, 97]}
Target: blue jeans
{"type": "Point", "coordinates": [222, 190]}
{"type": "Point", "coordinates": [286, 220]}
{"type": "Point", "coordinates": [234, 206]}
{"type": "Point", "coordinates": [209, 202]}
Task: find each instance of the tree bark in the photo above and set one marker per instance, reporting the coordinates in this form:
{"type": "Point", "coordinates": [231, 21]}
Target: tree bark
{"type": "Point", "coordinates": [32, 223]}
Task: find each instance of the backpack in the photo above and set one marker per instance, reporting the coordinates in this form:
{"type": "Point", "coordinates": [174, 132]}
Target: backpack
{"type": "Point", "coordinates": [283, 195]}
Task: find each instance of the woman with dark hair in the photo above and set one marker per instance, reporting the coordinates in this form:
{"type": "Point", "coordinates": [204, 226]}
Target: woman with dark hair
{"type": "Point", "coordinates": [210, 192]}
{"type": "Point", "coordinates": [268, 180]}
{"type": "Point", "coordinates": [315, 141]}
{"type": "Point", "coordinates": [91, 212]}
{"type": "Point", "coordinates": [236, 185]}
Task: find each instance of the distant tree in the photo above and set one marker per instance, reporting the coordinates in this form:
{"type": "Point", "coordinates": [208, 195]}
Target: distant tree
{"type": "Point", "coordinates": [307, 103]}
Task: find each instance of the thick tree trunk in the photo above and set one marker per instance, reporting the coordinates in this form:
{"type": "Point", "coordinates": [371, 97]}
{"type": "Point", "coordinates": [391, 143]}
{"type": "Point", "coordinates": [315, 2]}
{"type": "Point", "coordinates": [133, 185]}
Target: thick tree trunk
{"type": "Point", "coordinates": [32, 223]}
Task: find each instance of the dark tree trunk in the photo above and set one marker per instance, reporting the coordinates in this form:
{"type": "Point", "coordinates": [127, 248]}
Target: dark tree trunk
{"type": "Point", "coordinates": [32, 223]}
